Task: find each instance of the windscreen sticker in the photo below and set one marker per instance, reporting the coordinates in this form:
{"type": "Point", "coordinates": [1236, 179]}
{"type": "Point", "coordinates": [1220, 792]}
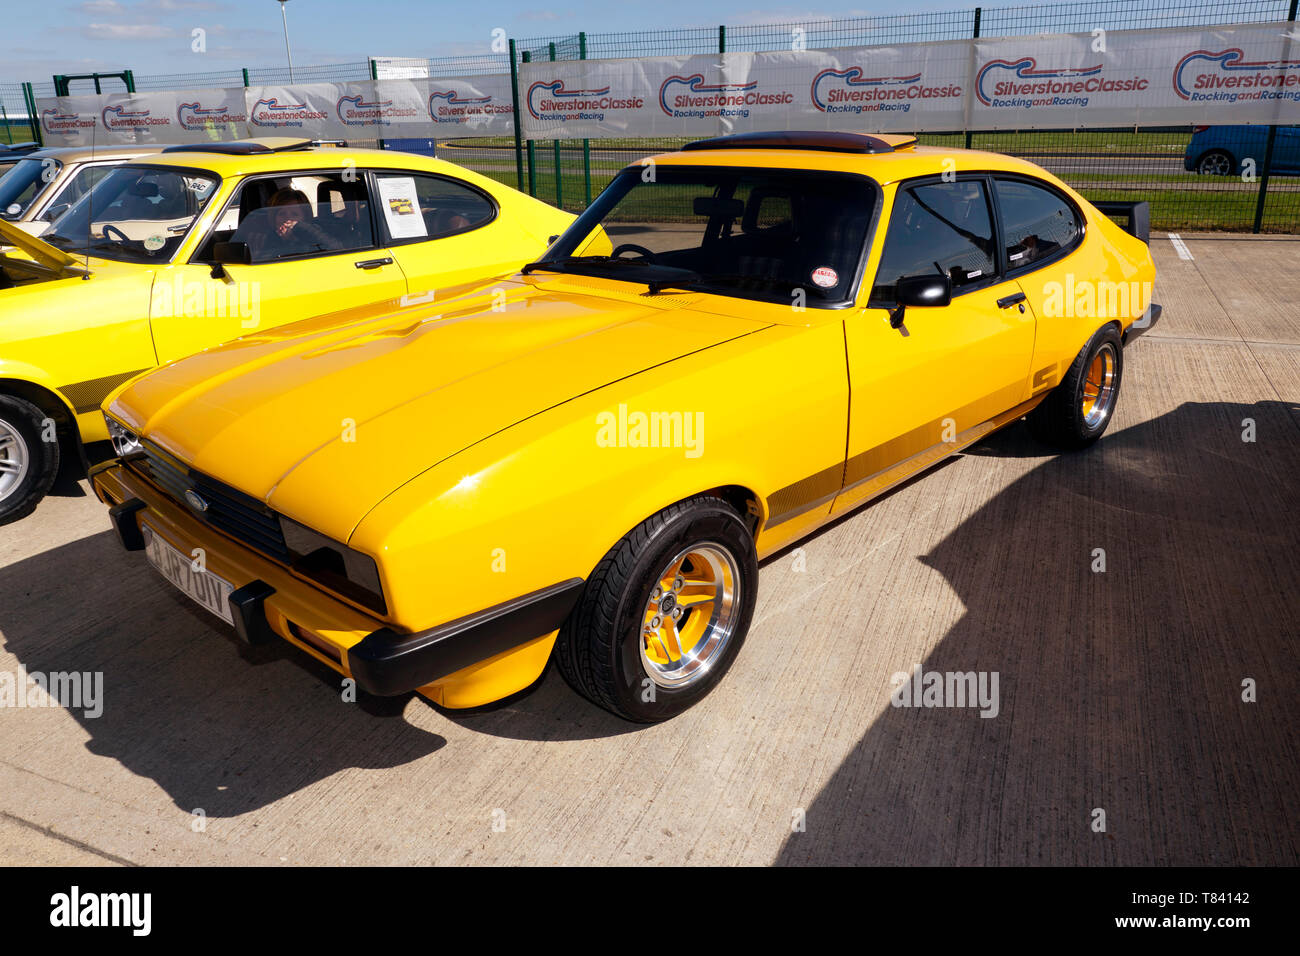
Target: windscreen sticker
{"type": "Point", "coordinates": [401, 205]}
{"type": "Point", "coordinates": [154, 243]}
{"type": "Point", "coordinates": [826, 277]}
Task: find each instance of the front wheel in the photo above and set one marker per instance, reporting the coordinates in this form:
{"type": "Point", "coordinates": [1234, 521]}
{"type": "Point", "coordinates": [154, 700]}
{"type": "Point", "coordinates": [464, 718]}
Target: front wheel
{"type": "Point", "coordinates": [1078, 410]}
{"type": "Point", "coordinates": [29, 457]}
{"type": "Point", "coordinates": [664, 614]}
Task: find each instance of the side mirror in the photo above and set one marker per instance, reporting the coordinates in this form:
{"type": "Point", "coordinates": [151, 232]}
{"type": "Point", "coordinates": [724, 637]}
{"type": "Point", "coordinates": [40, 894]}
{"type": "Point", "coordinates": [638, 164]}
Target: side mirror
{"type": "Point", "coordinates": [920, 291]}
{"type": "Point", "coordinates": [233, 253]}
{"type": "Point", "coordinates": [55, 211]}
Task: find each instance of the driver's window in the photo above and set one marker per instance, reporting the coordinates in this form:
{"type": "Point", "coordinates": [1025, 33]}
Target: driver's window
{"type": "Point", "coordinates": [294, 217]}
{"type": "Point", "coordinates": [942, 228]}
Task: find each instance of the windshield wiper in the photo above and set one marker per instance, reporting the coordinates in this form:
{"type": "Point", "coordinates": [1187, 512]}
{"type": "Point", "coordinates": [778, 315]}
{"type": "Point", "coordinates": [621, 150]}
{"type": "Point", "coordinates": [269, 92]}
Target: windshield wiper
{"type": "Point", "coordinates": [557, 264]}
{"type": "Point", "coordinates": [695, 282]}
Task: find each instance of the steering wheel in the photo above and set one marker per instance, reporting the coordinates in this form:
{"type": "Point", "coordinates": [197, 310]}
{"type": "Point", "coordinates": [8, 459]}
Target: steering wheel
{"type": "Point", "coordinates": [633, 247]}
{"type": "Point", "coordinates": [112, 228]}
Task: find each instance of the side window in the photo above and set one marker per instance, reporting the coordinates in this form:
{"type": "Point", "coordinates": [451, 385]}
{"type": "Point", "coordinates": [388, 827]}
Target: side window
{"type": "Point", "coordinates": [937, 228]}
{"type": "Point", "coordinates": [1037, 222]}
{"type": "Point", "coordinates": [295, 216]}
{"type": "Point", "coordinates": [416, 206]}
{"type": "Point", "coordinates": [75, 188]}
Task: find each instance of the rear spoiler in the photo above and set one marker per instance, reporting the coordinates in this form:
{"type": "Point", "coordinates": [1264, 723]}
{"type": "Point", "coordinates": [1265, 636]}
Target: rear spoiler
{"type": "Point", "coordinates": [1138, 215]}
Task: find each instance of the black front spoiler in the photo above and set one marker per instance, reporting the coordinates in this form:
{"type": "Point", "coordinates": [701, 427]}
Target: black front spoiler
{"type": "Point", "coordinates": [387, 663]}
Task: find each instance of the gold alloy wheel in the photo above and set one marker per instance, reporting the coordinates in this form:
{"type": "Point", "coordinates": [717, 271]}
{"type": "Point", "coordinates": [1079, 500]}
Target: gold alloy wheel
{"type": "Point", "coordinates": [690, 615]}
{"type": "Point", "coordinates": [1099, 387]}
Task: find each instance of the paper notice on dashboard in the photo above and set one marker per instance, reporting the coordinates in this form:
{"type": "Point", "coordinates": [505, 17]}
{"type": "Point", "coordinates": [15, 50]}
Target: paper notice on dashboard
{"type": "Point", "coordinates": [401, 205]}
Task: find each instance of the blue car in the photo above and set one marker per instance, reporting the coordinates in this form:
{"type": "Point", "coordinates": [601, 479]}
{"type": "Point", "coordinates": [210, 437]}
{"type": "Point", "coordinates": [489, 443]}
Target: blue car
{"type": "Point", "coordinates": [1223, 150]}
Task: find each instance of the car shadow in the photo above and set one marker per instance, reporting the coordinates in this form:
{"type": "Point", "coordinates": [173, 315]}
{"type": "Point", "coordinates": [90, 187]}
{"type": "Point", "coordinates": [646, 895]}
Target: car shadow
{"type": "Point", "coordinates": [1121, 736]}
{"type": "Point", "coordinates": [180, 706]}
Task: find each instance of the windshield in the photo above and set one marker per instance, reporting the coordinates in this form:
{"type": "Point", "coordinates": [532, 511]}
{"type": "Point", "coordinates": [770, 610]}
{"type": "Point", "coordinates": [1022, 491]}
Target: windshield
{"type": "Point", "coordinates": [20, 186]}
{"type": "Point", "coordinates": [134, 214]}
{"type": "Point", "coordinates": [778, 235]}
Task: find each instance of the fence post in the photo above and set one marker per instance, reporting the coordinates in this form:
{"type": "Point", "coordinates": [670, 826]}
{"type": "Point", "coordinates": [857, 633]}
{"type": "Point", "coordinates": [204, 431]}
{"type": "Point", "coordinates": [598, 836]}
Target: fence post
{"type": "Point", "coordinates": [29, 100]}
{"type": "Point", "coordinates": [130, 80]}
{"type": "Point", "coordinates": [244, 70]}
{"type": "Point", "coordinates": [722, 38]}
{"type": "Point", "coordinates": [532, 152]}
{"type": "Point", "coordinates": [586, 143]}
{"type": "Point", "coordinates": [1268, 154]}
{"type": "Point", "coordinates": [974, 36]}
{"type": "Point", "coordinates": [559, 178]}
{"type": "Point", "coordinates": [374, 78]}
{"type": "Point", "coordinates": [514, 99]}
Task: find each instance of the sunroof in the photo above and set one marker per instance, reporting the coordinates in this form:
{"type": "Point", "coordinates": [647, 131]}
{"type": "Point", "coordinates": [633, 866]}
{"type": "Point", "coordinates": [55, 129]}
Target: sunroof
{"type": "Point", "coordinates": [828, 141]}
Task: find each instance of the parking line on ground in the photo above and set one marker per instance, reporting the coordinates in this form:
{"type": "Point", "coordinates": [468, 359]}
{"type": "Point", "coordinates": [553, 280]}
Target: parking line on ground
{"type": "Point", "coordinates": [1180, 247]}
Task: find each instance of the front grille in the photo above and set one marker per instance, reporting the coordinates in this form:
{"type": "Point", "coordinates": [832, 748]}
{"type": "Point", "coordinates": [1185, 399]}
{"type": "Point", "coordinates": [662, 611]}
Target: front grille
{"type": "Point", "coordinates": [241, 516]}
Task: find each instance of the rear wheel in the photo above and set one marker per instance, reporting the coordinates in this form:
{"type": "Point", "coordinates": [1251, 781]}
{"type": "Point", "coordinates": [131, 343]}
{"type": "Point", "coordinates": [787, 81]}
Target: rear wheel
{"type": "Point", "coordinates": [1215, 163]}
{"type": "Point", "coordinates": [664, 614]}
{"type": "Point", "coordinates": [28, 463]}
{"type": "Point", "coordinates": [1078, 410]}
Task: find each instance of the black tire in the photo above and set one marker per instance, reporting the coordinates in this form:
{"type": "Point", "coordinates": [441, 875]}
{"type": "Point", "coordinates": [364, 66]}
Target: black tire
{"type": "Point", "coordinates": [1216, 162]}
{"type": "Point", "coordinates": [23, 421]}
{"type": "Point", "coordinates": [600, 650]}
{"type": "Point", "coordinates": [1062, 419]}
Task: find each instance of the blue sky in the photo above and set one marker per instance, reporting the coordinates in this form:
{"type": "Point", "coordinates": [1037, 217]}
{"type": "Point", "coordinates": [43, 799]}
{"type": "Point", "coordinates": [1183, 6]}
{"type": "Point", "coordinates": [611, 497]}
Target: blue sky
{"type": "Point", "coordinates": [154, 36]}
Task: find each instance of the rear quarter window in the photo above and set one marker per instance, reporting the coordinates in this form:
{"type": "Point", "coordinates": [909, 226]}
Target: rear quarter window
{"type": "Point", "coordinates": [1038, 222]}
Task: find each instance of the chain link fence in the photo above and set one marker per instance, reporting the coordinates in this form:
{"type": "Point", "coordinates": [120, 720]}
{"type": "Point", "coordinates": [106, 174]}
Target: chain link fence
{"type": "Point", "coordinates": [1180, 171]}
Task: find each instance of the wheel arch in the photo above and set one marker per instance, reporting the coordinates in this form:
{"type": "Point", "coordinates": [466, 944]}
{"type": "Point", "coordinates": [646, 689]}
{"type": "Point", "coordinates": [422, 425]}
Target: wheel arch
{"type": "Point", "coordinates": [53, 404]}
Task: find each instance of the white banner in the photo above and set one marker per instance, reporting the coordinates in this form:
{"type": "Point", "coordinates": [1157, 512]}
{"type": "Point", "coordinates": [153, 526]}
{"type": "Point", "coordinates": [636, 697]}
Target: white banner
{"type": "Point", "coordinates": [462, 106]}
{"type": "Point", "coordinates": [1221, 76]}
{"type": "Point", "coordinates": [123, 119]}
{"type": "Point", "coordinates": [1168, 77]}
{"type": "Point", "coordinates": [905, 88]}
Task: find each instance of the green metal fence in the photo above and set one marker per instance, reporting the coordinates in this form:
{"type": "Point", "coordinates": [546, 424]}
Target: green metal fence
{"type": "Point", "coordinates": [1131, 163]}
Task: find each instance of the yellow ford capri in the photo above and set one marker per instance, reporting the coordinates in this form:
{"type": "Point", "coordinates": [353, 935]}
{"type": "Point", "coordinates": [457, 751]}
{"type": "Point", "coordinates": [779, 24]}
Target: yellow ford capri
{"type": "Point", "coordinates": [197, 245]}
{"type": "Point", "coordinates": [735, 344]}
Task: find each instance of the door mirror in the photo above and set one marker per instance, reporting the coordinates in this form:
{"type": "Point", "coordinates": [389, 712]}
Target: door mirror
{"type": "Point", "coordinates": [55, 211]}
{"type": "Point", "coordinates": [923, 291]}
{"type": "Point", "coordinates": [234, 253]}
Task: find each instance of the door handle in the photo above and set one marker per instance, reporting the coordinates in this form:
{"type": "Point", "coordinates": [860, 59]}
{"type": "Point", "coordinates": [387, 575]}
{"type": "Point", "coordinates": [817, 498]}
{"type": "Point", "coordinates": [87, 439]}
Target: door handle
{"type": "Point", "coordinates": [376, 263]}
{"type": "Point", "coordinates": [1007, 301]}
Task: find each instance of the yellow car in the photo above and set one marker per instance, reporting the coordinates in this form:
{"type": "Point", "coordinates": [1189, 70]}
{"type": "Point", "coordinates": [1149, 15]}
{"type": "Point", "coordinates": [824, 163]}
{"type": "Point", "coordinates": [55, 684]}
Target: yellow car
{"type": "Point", "coordinates": [590, 465]}
{"type": "Point", "coordinates": [44, 184]}
{"type": "Point", "coordinates": [198, 245]}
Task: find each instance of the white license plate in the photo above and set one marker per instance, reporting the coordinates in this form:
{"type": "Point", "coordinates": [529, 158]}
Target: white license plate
{"type": "Point", "coordinates": [203, 586]}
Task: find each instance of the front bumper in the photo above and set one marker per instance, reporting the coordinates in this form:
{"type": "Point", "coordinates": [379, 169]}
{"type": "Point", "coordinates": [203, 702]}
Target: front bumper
{"type": "Point", "coordinates": [270, 601]}
{"type": "Point", "coordinates": [1143, 325]}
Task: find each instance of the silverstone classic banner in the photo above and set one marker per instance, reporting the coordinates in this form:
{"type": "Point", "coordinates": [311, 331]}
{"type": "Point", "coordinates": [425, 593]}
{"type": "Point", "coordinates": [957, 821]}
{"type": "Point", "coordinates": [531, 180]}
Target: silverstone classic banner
{"type": "Point", "coordinates": [447, 106]}
{"type": "Point", "coordinates": [1215, 76]}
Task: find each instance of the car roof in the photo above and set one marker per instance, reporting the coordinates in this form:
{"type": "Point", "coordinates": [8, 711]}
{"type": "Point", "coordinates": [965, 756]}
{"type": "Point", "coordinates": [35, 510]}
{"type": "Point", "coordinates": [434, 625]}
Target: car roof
{"type": "Point", "coordinates": [311, 157]}
{"type": "Point", "coordinates": [78, 154]}
{"type": "Point", "coordinates": [905, 161]}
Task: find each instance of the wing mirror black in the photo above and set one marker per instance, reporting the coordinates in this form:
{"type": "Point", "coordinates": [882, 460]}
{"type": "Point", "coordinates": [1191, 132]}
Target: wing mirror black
{"type": "Point", "coordinates": [920, 291]}
{"type": "Point", "coordinates": [232, 253]}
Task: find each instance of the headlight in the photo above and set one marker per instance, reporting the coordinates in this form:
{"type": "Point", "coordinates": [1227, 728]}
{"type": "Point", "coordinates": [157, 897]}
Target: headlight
{"type": "Point", "coordinates": [334, 566]}
{"type": "Point", "coordinates": [125, 441]}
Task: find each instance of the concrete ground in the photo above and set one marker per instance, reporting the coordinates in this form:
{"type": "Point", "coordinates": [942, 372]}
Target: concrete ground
{"type": "Point", "coordinates": [1120, 691]}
